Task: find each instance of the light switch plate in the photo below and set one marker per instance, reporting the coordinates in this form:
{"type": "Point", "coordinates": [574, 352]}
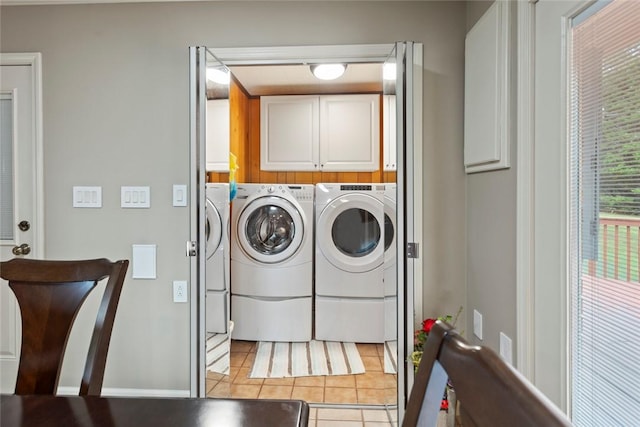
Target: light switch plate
{"type": "Point", "coordinates": [87, 197]}
{"type": "Point", "coordinates": [135, 197]}
{"type": "Point", "coordinates": [179, 195]}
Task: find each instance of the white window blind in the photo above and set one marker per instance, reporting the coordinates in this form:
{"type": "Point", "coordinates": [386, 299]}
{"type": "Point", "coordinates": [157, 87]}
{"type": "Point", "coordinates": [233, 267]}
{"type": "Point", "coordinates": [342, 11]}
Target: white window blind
{"type": "Point", "coordinates": [605, 215]}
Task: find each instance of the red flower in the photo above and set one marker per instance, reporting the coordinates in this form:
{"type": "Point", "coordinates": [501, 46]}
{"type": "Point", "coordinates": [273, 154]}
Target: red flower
{"type": "Point", "coordinates": [444, 405]}
{"type": "Point", "coordinates": [428, 324]}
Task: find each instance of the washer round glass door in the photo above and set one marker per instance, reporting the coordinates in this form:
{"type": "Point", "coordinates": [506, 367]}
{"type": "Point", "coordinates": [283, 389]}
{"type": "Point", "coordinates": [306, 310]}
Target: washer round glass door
{"type": "Point", "coordinates": [270, 229]}
{"type": "Point", "coordinates": [349, 232]}
{"type": "Point", "coordinates": [212, 228]}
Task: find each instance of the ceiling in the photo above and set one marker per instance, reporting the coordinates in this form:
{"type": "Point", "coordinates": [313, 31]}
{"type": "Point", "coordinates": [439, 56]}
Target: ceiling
{"type": "Point", "coordinates": [260, 80]}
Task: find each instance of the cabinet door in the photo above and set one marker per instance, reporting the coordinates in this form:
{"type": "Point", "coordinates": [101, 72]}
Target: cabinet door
{"type": "Point", "coordinates": [289, 134]}
{"type": "Point", "coordinates": [217, 135]}
{"type": "Point", "coordinates": [350, 132]}
{"type": "Point", "coordinates": [389, 155]}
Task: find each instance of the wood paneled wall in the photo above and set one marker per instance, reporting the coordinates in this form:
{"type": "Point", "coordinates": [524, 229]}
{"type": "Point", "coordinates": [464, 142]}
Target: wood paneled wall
{"type": "Point", "coordinates": [245, 144]}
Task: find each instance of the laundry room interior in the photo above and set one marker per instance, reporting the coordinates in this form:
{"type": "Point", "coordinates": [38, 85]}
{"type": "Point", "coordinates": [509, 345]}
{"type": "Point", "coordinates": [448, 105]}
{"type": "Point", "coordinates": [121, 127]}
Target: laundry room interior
{"type": "Point", "coordinates": [301, 297]}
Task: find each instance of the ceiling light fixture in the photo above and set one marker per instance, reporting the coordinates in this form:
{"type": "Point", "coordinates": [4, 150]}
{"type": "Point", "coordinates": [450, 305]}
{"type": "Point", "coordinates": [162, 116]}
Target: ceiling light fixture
{"type": "Point", "coordinates": [220, 76]}
{"type": "Point", "coordinates": [328, 71]}
{"type": "Point", "coordinates": [389, 71]}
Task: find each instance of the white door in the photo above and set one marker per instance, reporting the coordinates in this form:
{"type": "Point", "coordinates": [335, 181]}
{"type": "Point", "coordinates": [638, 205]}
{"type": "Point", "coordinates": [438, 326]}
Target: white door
{"type": "Point", "coordinates": [202, 67]}
{"type": "Point", "coordinates": [21, 231]}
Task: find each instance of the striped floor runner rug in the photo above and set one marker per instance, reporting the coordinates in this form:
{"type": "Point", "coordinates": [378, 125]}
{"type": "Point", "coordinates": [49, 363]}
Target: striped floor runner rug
{"type": "Point", "coordinates": [285, 359]}
{"type": "Point", "coordinates": [218, 357]}
{"type": "Point", "coordinates": [391, 357]}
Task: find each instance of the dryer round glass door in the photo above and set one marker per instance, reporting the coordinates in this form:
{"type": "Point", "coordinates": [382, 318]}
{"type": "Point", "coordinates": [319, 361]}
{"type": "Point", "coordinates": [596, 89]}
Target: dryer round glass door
{"type": "Point", "coordinates": [349, 232]}
{"type": "Point", "coordinates": [355, 232]}
{"type": "Point", "coordinates": [270, 229]}
{"type": "Point", "coordinates": [212, 228]}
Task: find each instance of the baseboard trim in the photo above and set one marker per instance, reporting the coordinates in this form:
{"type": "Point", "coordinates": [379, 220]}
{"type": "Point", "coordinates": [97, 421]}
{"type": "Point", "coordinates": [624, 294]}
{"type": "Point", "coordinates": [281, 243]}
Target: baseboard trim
{"type": "Point", "coordinates": [128, 392]}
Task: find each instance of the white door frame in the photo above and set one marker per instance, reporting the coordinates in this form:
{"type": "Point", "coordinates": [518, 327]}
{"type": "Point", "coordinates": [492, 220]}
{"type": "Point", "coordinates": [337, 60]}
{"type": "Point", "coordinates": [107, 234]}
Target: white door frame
{"type": "Point", "coordinates": [525, 343]}
{"type": "Point", "coordinates": [367, 53]}
{"type": "Point", "coordinates": [533, 325]}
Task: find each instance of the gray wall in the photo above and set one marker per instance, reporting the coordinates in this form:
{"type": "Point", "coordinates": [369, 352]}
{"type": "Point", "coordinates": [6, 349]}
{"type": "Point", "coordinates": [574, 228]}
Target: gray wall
{"type": "Point", "coordinates": [491, 239]}
{"type": "Point", "coordinates": [115, 89]}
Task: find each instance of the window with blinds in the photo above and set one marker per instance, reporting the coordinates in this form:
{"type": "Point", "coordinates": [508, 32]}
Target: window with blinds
{"type": "Point", "coordinates": [605, 214]}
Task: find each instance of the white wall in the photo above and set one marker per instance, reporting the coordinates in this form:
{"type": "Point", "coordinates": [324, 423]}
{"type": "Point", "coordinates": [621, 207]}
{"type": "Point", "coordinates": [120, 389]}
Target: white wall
{"type": "Point", "coordinates": [115, 83]}
{"type": "Point", "coordinates": [491, 236]}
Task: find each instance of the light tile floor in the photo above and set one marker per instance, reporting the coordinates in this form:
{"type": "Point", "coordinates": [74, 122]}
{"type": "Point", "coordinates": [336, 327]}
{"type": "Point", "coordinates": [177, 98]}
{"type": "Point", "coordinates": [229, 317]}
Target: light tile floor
{"type": "Point", "coordinates": [374, 387]}
{"type": "Point", "coordinates": [338, 417]}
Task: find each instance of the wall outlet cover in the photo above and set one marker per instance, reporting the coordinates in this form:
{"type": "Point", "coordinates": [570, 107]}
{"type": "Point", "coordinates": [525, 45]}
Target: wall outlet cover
{"type": "Point", "coordinates": [506, 350]}
{"type": "Point", "coordinates": [180, 291]}
{"type": "Point", "coordinates": [477, 324]}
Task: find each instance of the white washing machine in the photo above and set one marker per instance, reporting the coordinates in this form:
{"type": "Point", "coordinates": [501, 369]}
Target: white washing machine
{"type": "Point", "coordinates": [218, 260]}
{"type": "Point", "coordinates": [272, 262]}
{"type": "Point", "coordinates": [390, 273]}
{"type": "Point", "coordinates": [349, 288]}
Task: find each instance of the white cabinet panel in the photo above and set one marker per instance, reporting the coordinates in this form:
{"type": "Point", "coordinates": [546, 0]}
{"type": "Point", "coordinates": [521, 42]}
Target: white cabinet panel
{"type": "Point", "coordinates": [217, 135]}
{"type": "Point", "coordinates": [349, 132]}
{"type": "Point", "coordinates": [487, 124]}
{"type": "Point", "coordinates": [320, 133]}
{"type": "Point", "coordinates": [289, 133]}
{"type": "Point", "coordinates": [389, 157]}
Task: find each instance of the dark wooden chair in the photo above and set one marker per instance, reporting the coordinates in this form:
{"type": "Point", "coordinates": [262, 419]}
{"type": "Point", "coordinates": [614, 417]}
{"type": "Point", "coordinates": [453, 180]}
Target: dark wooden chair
{"type": "Point", "coordinates": [490, 392]}
{"type": "Point", "coordinates": [50, 294]}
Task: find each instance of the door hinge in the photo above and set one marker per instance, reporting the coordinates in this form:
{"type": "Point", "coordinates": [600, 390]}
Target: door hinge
{"type": "Point", "coordinates": [412, 250]}
{"type": "Point", "coordinates": [192, 248]}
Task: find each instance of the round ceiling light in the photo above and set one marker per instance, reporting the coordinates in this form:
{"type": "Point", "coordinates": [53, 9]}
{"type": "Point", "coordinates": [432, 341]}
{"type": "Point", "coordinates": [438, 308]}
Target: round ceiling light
{"type": "Point", "coordinates": [389, 71]}
{"type": "Point", "coordinates": [328, 71]}
{"type": "Point", "coordinates": [219, 76]}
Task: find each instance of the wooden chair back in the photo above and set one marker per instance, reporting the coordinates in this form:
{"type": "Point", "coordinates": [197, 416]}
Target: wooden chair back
{"type": "Point", "coordinates": [490, 392]}
{"type": "Point", "coordinates": [50, 294]}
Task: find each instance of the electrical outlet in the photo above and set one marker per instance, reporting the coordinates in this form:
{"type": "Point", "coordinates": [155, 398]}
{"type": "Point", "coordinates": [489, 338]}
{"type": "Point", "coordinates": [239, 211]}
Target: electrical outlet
{"type": "Point", "coordinates": [179, 291]}
{"type": "Point", "coordinates": [505, 348]}
{"type": "Point", "coordinates": [477, 324]}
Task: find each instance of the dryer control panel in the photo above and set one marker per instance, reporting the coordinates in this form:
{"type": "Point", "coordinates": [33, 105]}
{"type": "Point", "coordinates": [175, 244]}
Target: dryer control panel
{"type": "Point", "coordinates": [361, 187]}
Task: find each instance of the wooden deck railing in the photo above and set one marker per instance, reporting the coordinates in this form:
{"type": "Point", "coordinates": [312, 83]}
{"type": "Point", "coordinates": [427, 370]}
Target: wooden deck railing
{"type": "Point", "coordinates": [619, 249]}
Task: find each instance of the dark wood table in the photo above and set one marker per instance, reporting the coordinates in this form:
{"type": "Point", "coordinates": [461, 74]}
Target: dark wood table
{"type": "Point", "coordinates": [70, 411]}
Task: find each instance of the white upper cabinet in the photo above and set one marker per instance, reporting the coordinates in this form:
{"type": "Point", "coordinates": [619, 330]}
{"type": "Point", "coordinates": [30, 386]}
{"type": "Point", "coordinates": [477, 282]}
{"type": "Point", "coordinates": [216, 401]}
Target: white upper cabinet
{"type": "Point", "coordinates": [289, 135]}
{"type": "Point", "coordinates": [350, 132]}
{"type": "Point", "coordinates": [217, 135]}
{"type": "Point", "coordinates": [487, 120]}
{"type": "Point", "coordinates": [389, 156]}
{"type": "Point", "coordinates": [320, 133]}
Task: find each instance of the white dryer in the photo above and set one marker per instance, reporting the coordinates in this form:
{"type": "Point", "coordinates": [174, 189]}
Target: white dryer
{"type": "Point", "coordinates": [349, 288]}
{"type": "Point", "coordinates": [217, 252]}
{"type": "Point", "coordinates": [390, 272]}
{"type": "Point", "coordinates": [272, 262]}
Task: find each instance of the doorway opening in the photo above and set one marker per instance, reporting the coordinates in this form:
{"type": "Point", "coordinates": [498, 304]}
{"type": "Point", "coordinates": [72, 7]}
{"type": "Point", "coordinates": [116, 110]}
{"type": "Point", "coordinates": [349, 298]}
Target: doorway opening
{"type": "Point", "coordinates": [283, 305]}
